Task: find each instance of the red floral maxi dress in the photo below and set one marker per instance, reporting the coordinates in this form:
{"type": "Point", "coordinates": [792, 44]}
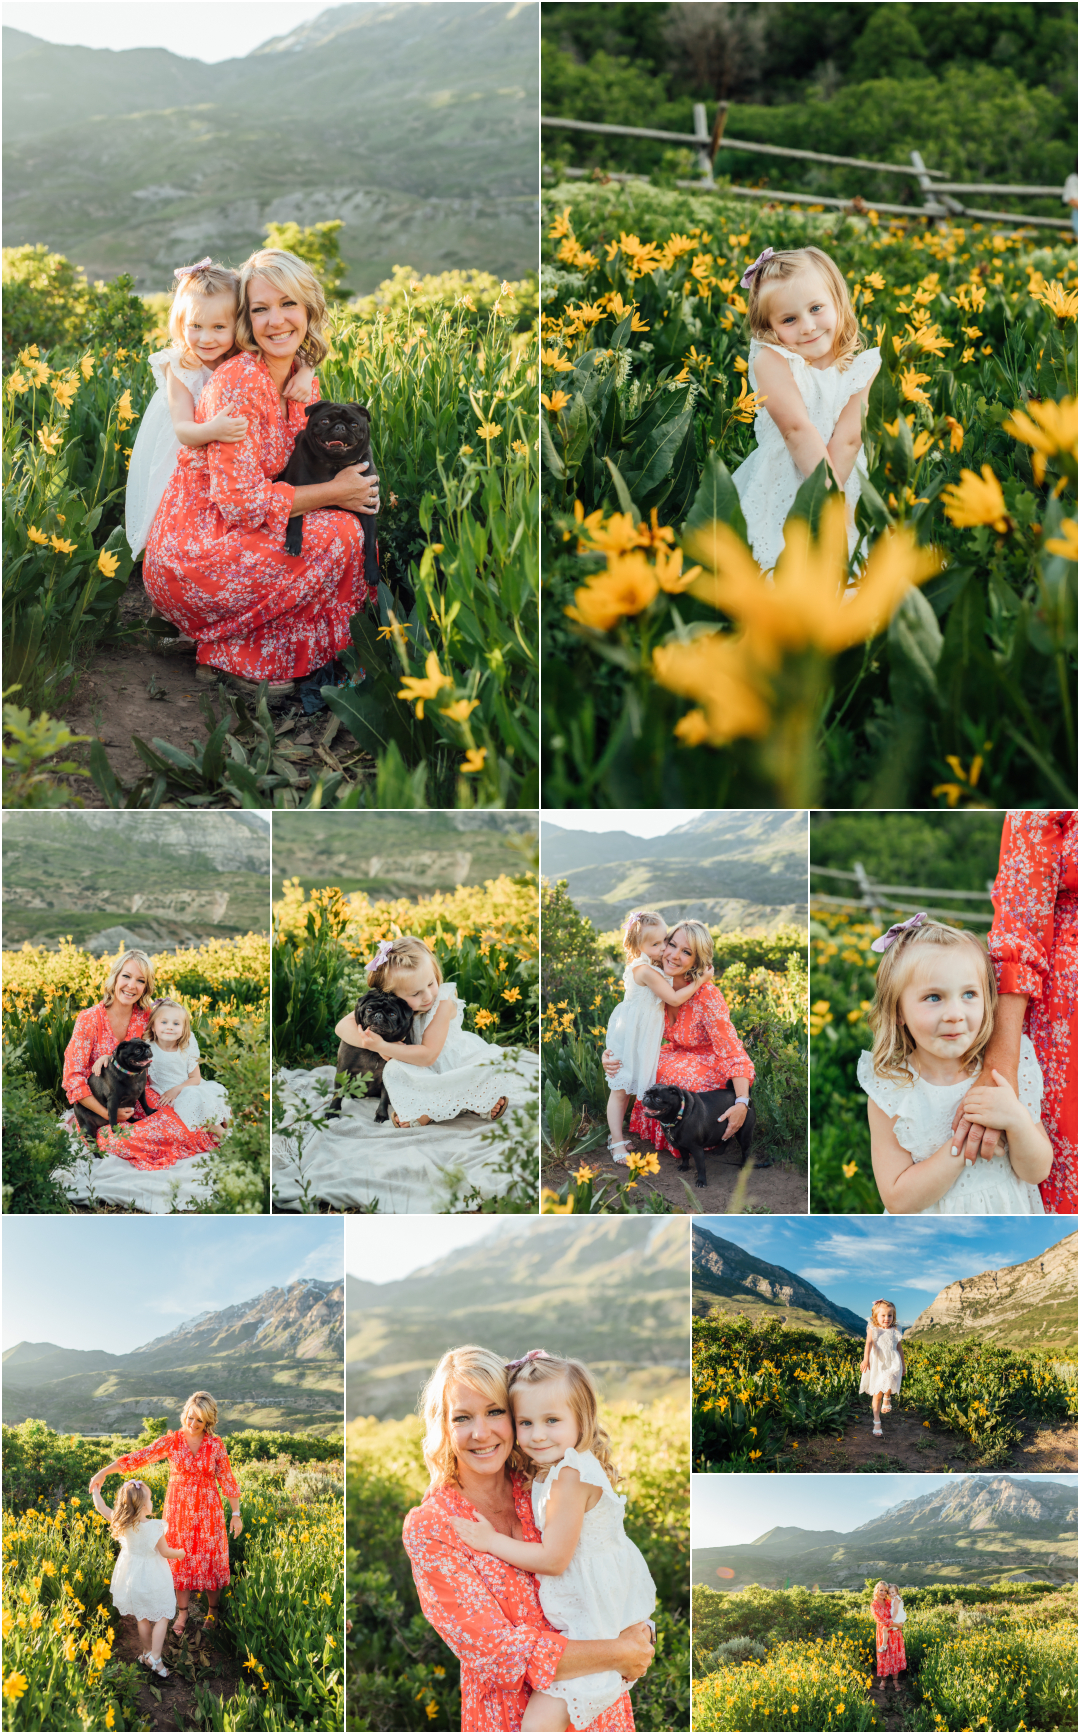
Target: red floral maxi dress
{"type": "Point", "coordinates": [891, 1655]}
{"type": "Point", "coordinates": [194, 1519]}
{"type": "Point", "coordinates": [156, 1142]}
{"type": "Point", "coordinates": [1033, 945]}
{"type": "Point", "coordinates": [215, 561]}
{"type": "Point", "coordinates": [701, 1052]}
{"type": "Point", "coordinates": [489, 1614]}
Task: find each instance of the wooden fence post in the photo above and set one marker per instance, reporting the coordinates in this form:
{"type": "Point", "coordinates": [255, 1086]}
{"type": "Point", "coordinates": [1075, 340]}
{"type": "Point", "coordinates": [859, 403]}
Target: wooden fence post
{"type": "Point", "coordinates": [703, 138]}
{"type": "Point", "coordinates": [867, 891]}
{"type": "Point", "coordinates": [926, 186]}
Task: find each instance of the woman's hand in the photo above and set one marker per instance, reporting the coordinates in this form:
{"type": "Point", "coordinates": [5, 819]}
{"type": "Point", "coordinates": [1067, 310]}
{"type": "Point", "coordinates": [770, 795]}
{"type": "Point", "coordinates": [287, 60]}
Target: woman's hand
{"type": "Point", "coordinates": [355, 491]}
{"type": "Point", "coordinates": [124, 1114]}
{"type": "Point", "coordinates": [97, 1481]}
{"type": "Point", "coordinates": [865, 1368]}
{"type": "Point", "coordinates": [236, 1526]}
{"type": "Point", "coordinates": [733, 1119]}
{"type": "Point", "coordinates": [640, 1650]}
{"type": "Point", "coordinates": [610, 1063]}
{"type": "Point", "coordinates": [477, 1533]}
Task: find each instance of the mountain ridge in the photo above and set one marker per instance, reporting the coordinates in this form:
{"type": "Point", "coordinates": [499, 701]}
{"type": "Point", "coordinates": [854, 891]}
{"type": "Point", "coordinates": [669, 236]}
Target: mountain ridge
{"type": "Point", "coordinates": [728, 1279]}
{"type": "Point", "coordinates": [1024, 1305]}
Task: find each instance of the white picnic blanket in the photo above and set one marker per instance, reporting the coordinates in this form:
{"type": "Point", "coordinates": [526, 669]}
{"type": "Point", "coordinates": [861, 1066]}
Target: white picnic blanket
{"type": "Point", "coordinates": [111, 1180]}
{"type": "Point", "coordinates": [354, 1162]}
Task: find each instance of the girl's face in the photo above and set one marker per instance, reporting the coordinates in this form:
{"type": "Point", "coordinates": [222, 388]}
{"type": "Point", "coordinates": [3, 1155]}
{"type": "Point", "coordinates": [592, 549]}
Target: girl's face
{"type": "Point", "coordinates": [279, 321]}
{"type": "Point", "coordinates": [943, 1003]}
{"type": "Point", "coordinates": [418, 987]}
{"type": "Point", "coordinates": [210, 327]}
{"type": "Point", "coordinates": [885, 1318]}
{"type": "Point", "coordinates": [652, 942]}
{"type": "Point", "coordinates": [130, 984]}
{"type": "Point", "coordinates": [678, 954]}
{"type": "Point", "coordinates": [546, 1424]}
{"type": "Point", "coordinates": [802, 315]}
{"type": "Point", "coordinates": [168, 1026]}
{"type": "Point", "coordinates": [482, 1430]}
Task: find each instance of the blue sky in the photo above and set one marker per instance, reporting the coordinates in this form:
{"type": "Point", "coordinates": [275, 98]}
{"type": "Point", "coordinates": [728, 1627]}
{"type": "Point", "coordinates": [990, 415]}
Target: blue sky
{"type": "Point", "coordinates": [640, 822]}
{"type": "Point", "coordinates": [197, 30]}
{"type": "Point", "coordinates": [905, 1259]}
{"type": "Point", "coordinates": [116, 1282]}
{"type": "Point", "coordinates": [732, 1510]}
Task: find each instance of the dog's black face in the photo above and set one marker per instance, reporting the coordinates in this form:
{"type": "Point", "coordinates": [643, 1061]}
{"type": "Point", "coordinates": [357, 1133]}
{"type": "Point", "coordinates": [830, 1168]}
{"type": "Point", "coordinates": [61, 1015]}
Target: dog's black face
{"type": "Point", "coordinates": [662, 1102]}
{"type": "Point", "coordinates": [133, 1057]}
{"type": "Point", "coordinates": [338, 432]}
{"type": "Point", "coordinates": [386, 1014]}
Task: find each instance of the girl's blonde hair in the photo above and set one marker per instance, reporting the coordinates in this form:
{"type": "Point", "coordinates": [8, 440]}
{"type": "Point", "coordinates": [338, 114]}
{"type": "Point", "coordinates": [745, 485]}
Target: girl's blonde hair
{"type": "Point", "coordinates": [893, 1042]}
{"type": "Point", "coordinates": [113, 976]}
{"type": "Point", "coordinates": [285, 271]}
{"type": "Point", "coordinates": [407, 952]}
{"type": "Point", "coordinates": [127, 1511]}
{"type": "Point", "coordinates": [881, 1303]}
{"type": "Point", "coordinates": [204, 1406]}
{"type": "Point", "coordinates": [542, 1369]}
{"type": "Point", "coordinates": [483, 1371]}
{"type": "Point", "coordinates": [638, 923]}
{"type": "Point", "coordinates": [185, 1028]}
{"type": "Point", "coordinates": [849, 338]}
{"type": "Point", "coordinates": [701, 946]}
{"type": "Point", "coordinates": [204, 281]}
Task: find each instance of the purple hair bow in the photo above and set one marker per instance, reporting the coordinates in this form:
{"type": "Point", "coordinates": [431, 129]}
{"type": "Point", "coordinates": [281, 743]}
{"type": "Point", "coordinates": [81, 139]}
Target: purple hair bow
{"type": "Point", "coordinates": [533, 1355]}
{"type": "Point", "coordinates": [633, 915]}
{"type": "Point", "coordinates": [897, 928]}
{"type": "Point", "coordinates": [386, 946]}
{"type": "Point", "coordinates": [748, 275]}
{"type": "Point", "coordinates": [183, 271]}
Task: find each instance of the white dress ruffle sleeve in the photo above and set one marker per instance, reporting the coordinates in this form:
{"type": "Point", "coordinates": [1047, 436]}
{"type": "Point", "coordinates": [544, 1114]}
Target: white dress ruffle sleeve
{"type": "Point", "coordinates": [202, 1104]}
{"type": "Point", "coordinates": [605, 1588]}
{"type": "Point", "coordinates": [634, 1035]}
{"type": "Point", "coordinates": [924, 1113]}
{"type": "Point", "coordinates": [886, 1367]}
{"type": "Point", "coordinates": [469, 1076]}
{"type": "Point", "coordinates": [768, 480]}
{"type": "Point", "coordinates": [156, 449]}
{"type": "Point", "coordinates": [142, 1583]}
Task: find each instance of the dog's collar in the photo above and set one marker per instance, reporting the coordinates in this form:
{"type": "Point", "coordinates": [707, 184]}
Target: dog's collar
{"type": "Point", "coordinates": [124, 1073]}
{"type": "Point", "coordinates": [679, 1115]}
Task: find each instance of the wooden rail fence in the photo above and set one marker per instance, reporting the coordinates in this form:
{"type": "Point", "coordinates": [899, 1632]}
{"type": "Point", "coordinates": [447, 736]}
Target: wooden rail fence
{"type": "Point", "coordinates": [877, 898]}
{"type": "Point", "coordinates": [938, 205]}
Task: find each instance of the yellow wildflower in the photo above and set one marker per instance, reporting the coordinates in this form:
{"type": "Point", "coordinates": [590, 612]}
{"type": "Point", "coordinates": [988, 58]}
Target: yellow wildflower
{"type": "Point", "coordinates": [17, 383]}
{"type": "Point", "coordinates": [62, 546]}
{"type": "Point", "coordinates": [712, 669]}
{"type": "Point", "coordinates": [108, 563]}
{"type": "Point", "coordinates": [629, 585]}
{"type": "Point", "coordinates": [64, 392]}
{"type": "Point", "coordinates": [86, 365]}
{"type": "Point", "coordinates": [1065, 544]}
{"type": "Point", "coordinates": [38, 537]}
{"type": "Point", "coordinates": [417, 691]}
{"type": "Point", "coordinates": [1047, 427]}
{"type": "Point", "coordinates": [474, 761]}
{"type": "Point", "coordinates": [557, 401]}
{"type": "Point", "coordinates": [910, 381]}
{"type": "Point", "coordinates": [461, 709]}
{"type": "Point", "coordinates": [14, 1686]}
{"type": "Point", "coordinates": [489, 430]}
{"type": "Point", "coordinates": [50, 439]}
{"type": "Point", "coordinates": [973, 501]}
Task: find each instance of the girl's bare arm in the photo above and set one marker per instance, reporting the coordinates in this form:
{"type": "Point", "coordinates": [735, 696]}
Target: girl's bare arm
{"type": "Point", "coordinates": [907, 1186]}
{"type": "Point", "coordinates": [168, 1552]}
{"type": "Point", "coordinates": [785, 405]}
{"type": "Point", "coordinates": [227, 428]}
{"type": "Point", "coordinates": [843, 447]}
{"type": "Point", "coordinates": [550, 1557]}
{"type": "Point", "coordinates": [99, 1503]}
{"type": "Point", "coordinates": [424, 1053]}
{"type": "Point", "coordinates": [659, 984]}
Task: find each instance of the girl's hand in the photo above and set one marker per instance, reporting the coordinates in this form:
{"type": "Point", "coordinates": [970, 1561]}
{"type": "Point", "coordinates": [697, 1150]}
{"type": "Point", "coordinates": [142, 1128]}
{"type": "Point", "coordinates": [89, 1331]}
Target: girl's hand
{"type": "Point", "coordinates": [994, 1106]}
{"type": "Point", "coordinates": [179, 1553]}
{"type": "Point", "coordinates": [865, 1368]}
{"type": "Point", "coordinates": [235, 1524]}
{"type": "Point", "coordinates": [641, 1650]}
{"type": "Point", "coordinates": [610, 1062]}
{"type": "Point", "coordinates": [170, 1096]}
{"type": "Point", "coordinates": [99, 1065]}
{"type": "Point", "coordinates": [373, 1041]}
{"type": "Point", "coordinates": [229, 429]}
{"type": "Point", "coordinates": [298, 387]}
{"type": "Point", "coordinates": [477, 1533]}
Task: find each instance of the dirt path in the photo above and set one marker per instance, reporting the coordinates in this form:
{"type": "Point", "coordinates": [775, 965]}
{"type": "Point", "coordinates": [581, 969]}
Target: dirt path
{"type": "Point", "coordinates": [893, 1707]}
{"type": "Point", "coordinates": [907, 1444]}
{"type": "Point", "coordinates": [776, 1191]}
{"type": "Point", "coordinates": [171, 1703]}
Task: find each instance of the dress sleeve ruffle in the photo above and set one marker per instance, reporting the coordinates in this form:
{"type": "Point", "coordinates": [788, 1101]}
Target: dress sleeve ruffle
{"type": "Point", "coordinates": [892, 1097]}
{"type": "Point", "coordinates": [146, 1454]}
{"type": "Point", "coordinates": [588, 1467]}
{"type": "Point", "coordinates": [860, 373]}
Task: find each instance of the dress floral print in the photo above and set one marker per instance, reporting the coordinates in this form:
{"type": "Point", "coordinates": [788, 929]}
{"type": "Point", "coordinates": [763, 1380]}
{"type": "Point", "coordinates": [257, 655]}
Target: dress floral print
{"type": "Point", "coordinates": [700, 1052]}
{"type": "Point", "coordinates": [891, 1656]}
{"type": "Point", "coordinates": [489, 1614]}
{"type": "Point", "coordinates": [215, 562]}
{"type": "Point", "coordinates": [193, 1514]}
{"type": "Point", "coordinates": [154, 1142]}
{"type": "Point", "coordinates": [1033, 945]}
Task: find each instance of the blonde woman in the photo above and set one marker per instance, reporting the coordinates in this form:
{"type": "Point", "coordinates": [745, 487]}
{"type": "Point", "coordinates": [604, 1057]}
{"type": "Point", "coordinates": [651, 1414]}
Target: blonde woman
{"type": "Point", "coordinates": [701, 1050]}
{"type": "Point", "coordinates": [487, 1611]}
{"type": "Point", "coordinates": [199, 1473]}
{"type": "Point", "coordinates": [215, 560]}
{"type": "Point", "coordinates": [124, 1014]}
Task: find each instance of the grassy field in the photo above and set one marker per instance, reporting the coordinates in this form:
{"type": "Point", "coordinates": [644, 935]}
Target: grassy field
{"type": "Point", "coordinates": [758, 1384]}
{"type": "Point", "coordinates": [398, 1667]}
{"type": "Point", "coordinates": [950, 678]}
{"type": "Point", "coordinates": [280, 1631]}
{"type": "Point", "coordinates": [225, 986]}
{"type": "Point", "coordinates": [978, 1658]}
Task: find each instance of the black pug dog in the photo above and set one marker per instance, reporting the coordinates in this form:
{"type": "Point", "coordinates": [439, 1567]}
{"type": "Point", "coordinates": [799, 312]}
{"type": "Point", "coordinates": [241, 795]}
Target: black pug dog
{"type": "Point", "coordinates": [121, 1084]}
{"type": "Point", "coordinates": [689, 1119]}
{"type": "Point", "coordinates": [391, 1018]}
{"type": "Point", "coordinates": [336, 435]}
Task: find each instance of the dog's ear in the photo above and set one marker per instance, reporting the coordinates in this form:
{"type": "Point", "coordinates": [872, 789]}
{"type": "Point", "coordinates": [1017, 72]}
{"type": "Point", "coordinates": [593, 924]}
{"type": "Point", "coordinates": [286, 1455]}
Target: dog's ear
{"type": "Point", "coordinates": [361, 409]}
{"type": "Point", "coordinates": [309, 407]}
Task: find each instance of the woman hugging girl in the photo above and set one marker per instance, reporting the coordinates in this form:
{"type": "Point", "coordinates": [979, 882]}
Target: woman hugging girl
{"type": "Point", "coordinates": [636, 1029]}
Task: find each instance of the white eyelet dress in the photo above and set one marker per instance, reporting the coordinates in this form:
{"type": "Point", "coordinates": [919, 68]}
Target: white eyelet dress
{"type": "Point", "coordinates": [634, 1035]}
{"type": "Point", "coordinates": [142, 1582]}
{"type": "Point", "coordinates": [886, 1367]}
{"type": "Point", "coordinates": [469, 1076]}
{"type": "Point", "coordinates": [605, 1588]}
{"type": "Point", "coordinates": [156, 448]}
{"type": "Point", "coordinates": [924, 1122]}
{"type": "Point", "coordinates": [768, 480]}
{"type": "Point", "coordinates": [202, 1104]}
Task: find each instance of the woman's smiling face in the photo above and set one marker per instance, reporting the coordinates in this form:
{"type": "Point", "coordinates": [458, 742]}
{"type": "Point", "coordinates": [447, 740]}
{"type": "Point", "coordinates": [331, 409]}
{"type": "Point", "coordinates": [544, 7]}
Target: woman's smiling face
{"type": "Point", "coordinates": [678, 953]}
{"type": "Point", "coordinates": [130, 984]}
{"type": "Point", "coordinates": [482, 1431]}
{"type": "Point", "coordinates": [279, 321]}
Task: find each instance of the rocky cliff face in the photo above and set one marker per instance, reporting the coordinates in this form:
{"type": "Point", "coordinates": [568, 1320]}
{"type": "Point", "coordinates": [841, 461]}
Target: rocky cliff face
{"type": "Point", "coordinates": [722, 1268]}
{"type": "Point", "coordinates": [218, 841]}
{"type": "Point", "coordinates": [980, 1502]}
{"type": "Point", "coordinates": [305, 1320]}
{"type": "Point", "coordinates": [1020, 1302]}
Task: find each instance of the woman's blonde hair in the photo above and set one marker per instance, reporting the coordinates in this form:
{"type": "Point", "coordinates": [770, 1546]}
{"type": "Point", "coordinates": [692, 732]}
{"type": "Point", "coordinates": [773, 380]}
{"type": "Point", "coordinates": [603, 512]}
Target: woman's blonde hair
{"type": "Point", "coordinates": [893, 1042]}
{"type": "Point", "coordinates": [849, 338]}
{"type": "Point", "coordinates": [639, 922]}
{"type": "Point", "coordinates": [407, 952]}
{"type": "Point", "coordinates": [204, 281]}
{"type": "Point", "coordinates": [285, 271]}
{"type": "Point", "coordinates": [185, 1028]}
{"type": "Point", "coordinates": [484, 1372]}
{"type": "Point", "coordinates": [127, 1511]}
{"type": "Point", "coordinates": [541, 1369]}
{"type": "Point", "coordinates": [111, 979]}
{"type": "Point", "coordinates": [701, 946]}
{"type": "Point", "coordinates": [204, 1406]}
{"type": "Point", "coordinates": [882, 1303]}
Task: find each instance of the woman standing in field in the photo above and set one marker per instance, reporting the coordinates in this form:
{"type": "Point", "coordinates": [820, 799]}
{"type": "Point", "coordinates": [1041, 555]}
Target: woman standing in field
{"type": "Point", "coordinates": [215, 561]}
{"type": "Point", "coordinates": [199, 1472]}
{"type": "Point", "coordinates": [489, 1612]}
{"type": "Point", "coordinates": [889, 1646]}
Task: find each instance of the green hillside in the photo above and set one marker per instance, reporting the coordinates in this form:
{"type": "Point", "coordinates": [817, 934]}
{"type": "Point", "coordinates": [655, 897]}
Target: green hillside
{"type": "Point", "coordinates": [393, 854]}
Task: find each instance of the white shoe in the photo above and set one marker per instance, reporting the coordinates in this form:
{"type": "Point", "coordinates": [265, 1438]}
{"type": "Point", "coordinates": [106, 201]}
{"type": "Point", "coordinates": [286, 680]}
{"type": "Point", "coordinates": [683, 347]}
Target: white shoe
{"type": "Point", "coordinates": [158, 1666]}
{"type": "Point", "coordinates": [615, 1147]}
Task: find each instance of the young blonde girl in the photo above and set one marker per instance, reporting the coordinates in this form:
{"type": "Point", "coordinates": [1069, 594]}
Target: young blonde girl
{"type": "Point", "coordinates": [636, 1028]}
{"type": "Point", "coordinates": [445, 1070]}
{"type": "Point", "coordinates": [202, 326]}
{"type": "Point", "coordinates": [932, 1016]}
{"type": "Point", "coordinates": [175, 1074]}
{"type": "Point", "coordinates": [883, 1365]}
{"type": "Point", "coordinates": [142, 1583]}
{"type": "Point", "coordinates": [593, 1580]}
{"type": "Point", "coordinates": [808, 362]}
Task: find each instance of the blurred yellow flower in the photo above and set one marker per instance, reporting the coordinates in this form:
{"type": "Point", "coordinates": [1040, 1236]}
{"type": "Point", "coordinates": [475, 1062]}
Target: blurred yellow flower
{"type": "Point", "coordinates": [16, 383]}
{"type": "Point", "coordinates": [973, 501]}
{"type": "Point", "coordinates": [108, 563]}
{"type": "Point", "coordinates": [51, 439]}
{"type": "Point", "coordinates": [520, 447]}
{"type": "Point", "coordinates": [714, 669]}
{"type": "Point", "coordinates": [1065, 544]}
{"type": "Point", "coordinates": [14, 1686]}
{"type": "Point", "coordinates": [461, 710]}
{"type": "Point", "coordinates": [558, 363]}
{"type": "Point", "coordinates": [489, 430]}
{"type": "Point", "coordinates": [417, 691]}
{"type": "Point", "coordinates": [30, 354]}
{"type": "Point", "coordinates": [86, 365]}
{"type": "Point", "coordinates": [474, 761]}
{"type": "Point", "coordinates": [910, 381]}
{"type": "Point", "coordinates": [1048, 427]}
{"type": "Point", "coordinates": [1061, 305]}
{"type": "Point", "coordinates": [62, 546]}
{"type": "Point", "coordinates": [627, 586]}
{"type": "Point", "coordinates": [850, 1169]}
{"type": "Point", "coordinates": [38, 537]}
{"type": "Point", "coordinates": [124, 412]}
{"type": "Point", "coordinates": [64, 391]}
